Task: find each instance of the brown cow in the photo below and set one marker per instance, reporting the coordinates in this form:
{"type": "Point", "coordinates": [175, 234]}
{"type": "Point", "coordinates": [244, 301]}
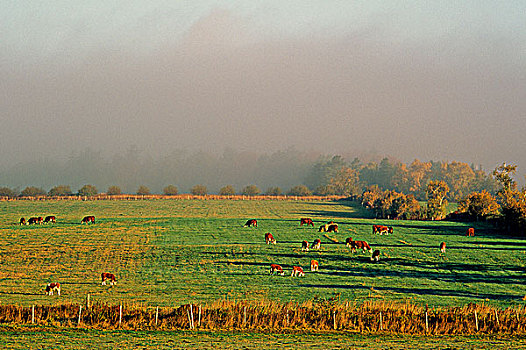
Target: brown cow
{"type": "Point", "coordinates": [306, 221]}
{"type": "Point", "coordinates": [53, 287]}
{"type": "Point", "coordinates": [297, 271]}
{"type": "Point", "coordinates": [314, 265]}
{"type": "Point", "coordinates": [380, 229]}
{"type": "Point", "coordinates": [269, 238]}
{"type": "Point", "coordinates": [276, 268]}
{"type": "Point", "coordinates": [50, 218]}
{"type": "Point", "coordinates": [108, 276]}
{"type": "Point", "coordinates": [470, 232]}
{"type": "Point", "coordinates": [88, 219]}
{"type": "Point", "coordinates": [376, 255]}
{"type": "Point", "coordinates": [23, 221]}
{"type": "Point", "coordinates": [443, 247]}
{"type": "Point", "coordinates": [35, 220]}
{"type": "Point", "coordinates": [251, 222]}
{"type": "Point", "coordinates": [305, 246]}
{"type": "Point", "coordinates": [332, 228]}
{"type": "Point", "coordinates": [360, 245]}
{"type": "Point", "coordinates": [316, 244]}
{"type": "Point", "coordinates": [348, 241]}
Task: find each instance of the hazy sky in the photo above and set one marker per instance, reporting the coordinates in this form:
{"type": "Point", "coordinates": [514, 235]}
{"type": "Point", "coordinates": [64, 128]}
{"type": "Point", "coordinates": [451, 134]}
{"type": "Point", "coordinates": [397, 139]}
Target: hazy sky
{"type": "Point", "coordinates": [433, 80]}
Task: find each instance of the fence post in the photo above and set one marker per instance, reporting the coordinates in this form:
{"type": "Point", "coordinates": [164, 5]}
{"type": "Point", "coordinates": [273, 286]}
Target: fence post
{"type": "Point", "coordinates": [33, 314]}
{"type": "Point", "coordinates": [244, 315]}
{"type": "Point", "coordinates": [497, 317]}
{"type": "Point", "coordinates": [192, 315]}
{"type": "Point", "coordinates": [427, 321]}
{"type": "Point", "coordinates": [334, 318]}
{"type": "Point", "coordinates": [199, 321]}
{"type": "Point", "coordinates": [381, 326]}
{"type": "Point", "coordinates": [80, 313]}
{"type": "Point", "coordinates": [87, 301]}
{"type": "Point", "coordinates": [120, 314]}
{"type": "Point", "coordinates": [156, 315]}
{"type": "Point", "coordinates": [287, 317]}
{"type": "Point", "coordinates": [189, 320]}
{"type": "Point", "coordinates": [476, 321]}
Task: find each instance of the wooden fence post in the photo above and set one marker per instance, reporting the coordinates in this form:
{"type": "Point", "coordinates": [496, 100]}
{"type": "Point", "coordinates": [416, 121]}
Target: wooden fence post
{"type": "Point", "coordinates": [88, 301]}
{"type": "Point", "coordinates": [287, 317]}
{"type": "Point", "coordinates": [120, 314]}
{"type": "Point", "coordinates": [80, 313]}
{"type": "Point", "coordinates": [156, 315]}
{"type": "Point", "coordinates": [427, 321]}
{"type": "Point", "coordinates": [476, 321]}
{"type": "Point", "coordinates": [199, 320]}
{"type": "Point", "coordinates": [497, 317]}
{"type": "Point", "coordinates": [189, 320]}
{"type": "Point", "coordinates": [192, 315]}
{"type": "Point", "coordinates": [33, 314]}
{"type": "Point", "coordinates": [334, 318]}
{"type": "Point", "coordinates": [381, 326]}
{"type": "Point", "coordinates": [244, 315]}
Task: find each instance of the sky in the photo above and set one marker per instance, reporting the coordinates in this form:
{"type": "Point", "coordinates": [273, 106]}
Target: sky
{"type": "Point", "coordinates": [428, 80]}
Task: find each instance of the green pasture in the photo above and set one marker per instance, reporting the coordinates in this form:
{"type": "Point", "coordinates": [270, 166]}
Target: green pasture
{"type": "Point", "coordinates": [170, 252]}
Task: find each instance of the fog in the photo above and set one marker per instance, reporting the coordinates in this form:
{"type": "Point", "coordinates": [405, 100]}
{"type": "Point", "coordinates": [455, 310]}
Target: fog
{"type": "Point", "coordinates": [226, 83]}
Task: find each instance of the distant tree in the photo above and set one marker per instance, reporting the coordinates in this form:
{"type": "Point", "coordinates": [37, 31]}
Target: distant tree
{"type": "Point", "coordinates": [436, 199]}
{"type": "Point", "coordinates": [143, 190]}
{"type": "Point", "coordinates": [345, 182]}
{"type": "Point", "coordinates": [300, 190]}
{"type": "Point", "coordinates": [7, 192]}
{"type": "Point", "coordinates": [479, 205]}
{"type": "Point", "coordinates": [273, 191]}
{"type": "Point", "coordinates": [250, 190]}
{"type": "Point", "coordinates": [228, 190]}
{"type": "Point", "coordinates": [511, 200]}
{"type": "Point", "coordinates": [170, 190]}
{"type": "Point", "coordinates": [61, 190]}
{"type": "Point", "coordinates": [88, 190]}
{"type": "Point", "coordinates": [32, 191]}
{"type": "Point", "coordinates": [199, 190]}
{"type": "Point", "coordinates": [114, 190]}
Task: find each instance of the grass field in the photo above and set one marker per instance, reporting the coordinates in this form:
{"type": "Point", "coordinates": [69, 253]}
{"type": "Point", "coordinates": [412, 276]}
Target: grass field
{"type": "Point", "coordinates": [170, 252]}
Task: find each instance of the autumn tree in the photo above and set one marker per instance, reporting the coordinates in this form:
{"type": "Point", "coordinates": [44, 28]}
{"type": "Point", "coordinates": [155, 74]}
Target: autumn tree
{"type": "Point", "coordinates": [300, 190]}
{"type": "Point", "coordinates": [61, 190]}
{"type": "Point", "coordinates": [199, 190]}
{"type": "Point", "coordinates": [345, 182]}
{"type": "Point", "coordinates": [113, 190]}
{"type": "Point", "coordinates": [7, 192]}
{"type": "Point", "coordinates": [250, 190]}
{"type": "Point", "coordinates": [88, 190]}
{"type": "Point", "coordinates": [227, 190]}
{"type": "Point", "coordinates": [273, 191]}
{"type": "Point", "coordinates": [143, 190]}
{"type": "Point", "coordinates": [511, 200]}
{"type": "Point", "coordinates": [170, 190]}
{"type": "Point", "coordinates": [479, 205]}
{"type": "Point", "coordinates": [32, 191]}
{"type": "Point", "coordinates": [436, 199]}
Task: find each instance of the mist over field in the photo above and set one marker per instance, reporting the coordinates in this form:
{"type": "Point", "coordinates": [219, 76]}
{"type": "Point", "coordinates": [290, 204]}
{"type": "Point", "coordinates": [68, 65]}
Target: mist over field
{"type": "Point", "coordinates": [111, 94]}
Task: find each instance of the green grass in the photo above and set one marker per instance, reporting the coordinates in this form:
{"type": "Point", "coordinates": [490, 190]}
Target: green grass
{"type": "Point", "coordinates": [170, 252]}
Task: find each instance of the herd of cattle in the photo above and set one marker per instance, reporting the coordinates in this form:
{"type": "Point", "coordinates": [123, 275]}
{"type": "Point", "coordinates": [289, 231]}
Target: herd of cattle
{"type": "Point", "coordinates": [349, 242]}
{"type": "Point", "coordinates": [55, 286]}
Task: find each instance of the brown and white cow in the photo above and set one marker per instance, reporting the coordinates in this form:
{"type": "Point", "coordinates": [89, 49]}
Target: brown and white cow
{"type": "Point", "coordinates": [360, 245]}
{"type": "Point", "coordinates": [297, 271]}
{"type": "Point", "coordinates": [23, 221]}
{"type": "Point", "coordinates": [108, 276]}
{"type": "Point", "coordinates": [470, 232]}
{"type": "Point", "coordinates": [380, 229]}
{"type": "Point", "coordinates": [376, 255]}
{"type": "Point", "coordinates": [306, 221]}
{"type": "Point", "coordinates": [276, 268]}
{"type": "Point", "coordinates": [53, 287]}
{"type": "Point", "coordinates": [443, 247]}
{"type": "Point", "coordinates": [88, 219]}
{"type": "Point", "coordinates": [305, 246]}
{"type": "Point", "coordinates": [50, 218]}
{"type": "Point", "coordinates": [323, 228]}
{"type": "Point", "coordinates": [269, 238]}
{"type": "Point", "coordinates": [348, 241]}
{"type": "Point", "coordinates": [332, 228]}
{"type": "Point", "coordinates": [35, 220]}
{"type": "Point", "coordinates": [316, 244]}
{"type": "Point", "coordinates": [251, 222]}
{"type": "Point", "coordinates": [314, 265]}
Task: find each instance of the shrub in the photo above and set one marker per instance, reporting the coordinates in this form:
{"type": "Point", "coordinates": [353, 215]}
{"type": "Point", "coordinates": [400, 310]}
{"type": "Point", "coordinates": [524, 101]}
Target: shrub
{"type": "Point", "coordinates": [32, 191]}
{"type": "Point", "coordinates": [170, 190]}
{"type": "Point", "coordinates": [114, 190]}
{"type": "Point", "coordinates": [250, 190]}
{"type": "Point", "coordinates": [199, 190]}
{"type": "Point", "coordinates": [143, 190]}
{"type": "Point", "coordinates": [300, 190]}
{"type": "Point", "coordinates": [228, 190]}
{"type": "Point", "coordinates": [88, 190]}
{"type": "Point", "coordinates": [61, 190]}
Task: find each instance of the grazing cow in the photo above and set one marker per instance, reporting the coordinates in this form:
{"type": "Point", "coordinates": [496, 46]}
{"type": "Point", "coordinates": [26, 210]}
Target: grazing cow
{"type": "Point", "coordinates": [316, 244]}
{"type": "Point", "coordinates": [376, 255]}
{"type": "Point", "coordinates": [297, 271]}
{"type": "Point", "coordinates": [108, 276]}
{"type": "Point", "coordinates": [443, 247]}
{"type": "Point", "coordinates": [348, 241]}
{"type": "Point", "coordinates": [88, 219]}
{"type": "Point", "coordinates": [376, 228]}
{"type": "Point", "coordinates": [35, 220]}
{"type": "Point", "coordinates": [314, 265]}
{"type": "Point", "coordinates": [50, 218]}
{"type": "Point", "coordinates": [251, 222]}
{"type": "Point", "coordinates": [390, 229]}
{"type": "Point", "coordinates": [276, 268]}
{"type": "Point", "coordinates": [269, 238]}
{"type": "Point", "coordinates": [470, 232]}
{"type": "Point", "coordinates": [332, 228]}
{"type": "Point", "coordinates": [323, 228]}
{"type": "Point", "coordinates": [380, 229]}
{"type": "Point", "coordinates": [306, 221]}
{"type": "Point", "coordinates": [23, 221]}
{"type": "Point", "coordinates": [360, 245]}
{"type": "Point", "coordinates": [305, 246]}
{"type": "Point", "coordinates": [53, 287]}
